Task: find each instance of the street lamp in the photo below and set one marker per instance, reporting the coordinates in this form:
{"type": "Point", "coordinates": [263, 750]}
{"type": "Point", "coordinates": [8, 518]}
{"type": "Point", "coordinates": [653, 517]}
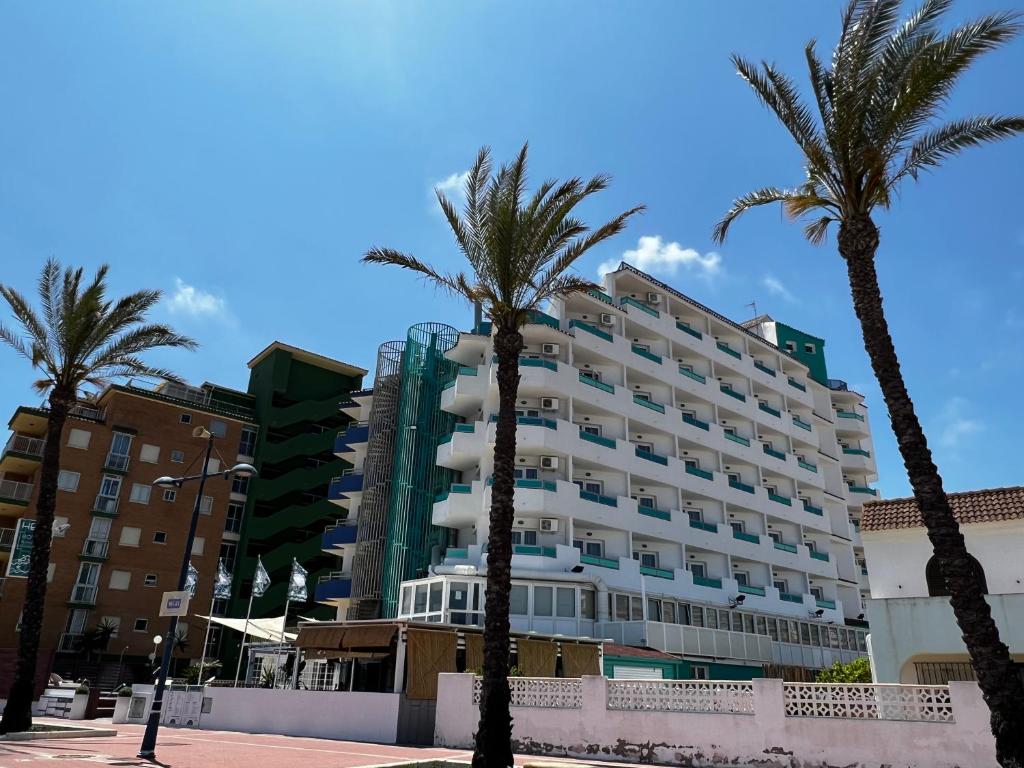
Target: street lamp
{"type": "Point", "coordinates": [148, 748]}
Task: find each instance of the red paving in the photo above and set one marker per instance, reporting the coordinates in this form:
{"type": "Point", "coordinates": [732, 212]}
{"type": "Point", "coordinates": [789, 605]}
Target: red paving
{"type": "Point", "coordinates": [186, 748]}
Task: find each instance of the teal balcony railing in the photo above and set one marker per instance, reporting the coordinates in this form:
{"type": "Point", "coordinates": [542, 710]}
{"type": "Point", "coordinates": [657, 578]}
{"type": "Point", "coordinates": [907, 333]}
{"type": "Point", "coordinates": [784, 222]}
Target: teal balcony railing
{"type": "Point", "coordinates": [749, 589]}
{"type": "Point", "coordinates": [764, 368]}
{"type": "Point", "coordinates": [789, 597]}
{"type": "Point", "coordinates": [801, 423]}
{"type": "Point", "coordinates": [535, 362]}
{"type": "Point", "coordinates": [466, 370]}
{"type": "Point", "coordinates": [698, 472]}
{"type": "Point", "coordinates": [736, 438]}
{"type": "Point", "coordinates": [590, 329]}
{"type": "Point", "coordinates": [807, 465]}
{"type": "Point", "coordinates": [796, 384]}
{"type": "Point", "coordinates": [772, 452]}
{"type": "Point", "coordinates": [780, 499]}
{"type": "Point", "coordinates": [687, 329]}
{"type": "Point", "coordinates": [857, 452]}
{"type": "Point", "coordinates": [691, 375]}
{"type": "Point", "coordinates": [741, 486]}
{"type": "Point", "coordinates": [822, 603]}
{"type": "Point", "coordinates": [597, 498]}
{"type": "Point", "coordinates": [537, 485]}
{"type": "Point", "coordinates": [823, 556]}
{"type": "Point", "coordinates": [658, 573]}
{"type": "Point", "coordinates": [536, 421]}
{"type": "Point", "coordinates": [695, 422]}
{"type": "Point", "coordinates": [849, 415]}
{"type": "Point", "coordinates": [596, 383]}
{"type": "Point", "coordinates": [646, 354]}
{"type": "Point", "coordinates": [455, 488]}
{"type": "Point", "coordinates": [643, 453]}
{"type": "Point", "coordinates": [863, 489]}
{"type": "Point", "coordinates": [700, 525]}
{"type": "Point", "coordinates": [629, 301]}
{"type": "Point", "coordinates": [529, 549]}
{"type": "Point", "coordinates": [601, 562]}
{"type": "Point", "coordinates": [542, 318]}
{"type": "Point", "coordinates": [457, 554]}
{"type": "Point", "coordinates": [648, 404]}
{"type": "Point", "coordinates": [602, 296]}
{"type": "Point", "coordinates": [728, 350]}
{"type": "Point", "coordinates": [661, 514]}
{"type": "Point", "coordinates": [702, 581]}
{"type": "Point", "coordinates": [813, 509]}
{"type": "Point", "coordinates": [785, 547]}
{"type": "Point", "coordinates": [607, 442]}
{"type": "Point", "coordinates": [753, 538]}
{"type": "Point", "coordinates": [732, 392]}
{"type": "Point", "coordinates": [768, 409]}
{"type": "Point", "coordinates": [465, 428]}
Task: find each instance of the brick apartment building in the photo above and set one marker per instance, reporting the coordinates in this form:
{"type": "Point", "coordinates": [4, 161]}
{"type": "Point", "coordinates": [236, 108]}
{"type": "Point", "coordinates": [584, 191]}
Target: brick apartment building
{"type": "Point", "coordinates": [118, 539]}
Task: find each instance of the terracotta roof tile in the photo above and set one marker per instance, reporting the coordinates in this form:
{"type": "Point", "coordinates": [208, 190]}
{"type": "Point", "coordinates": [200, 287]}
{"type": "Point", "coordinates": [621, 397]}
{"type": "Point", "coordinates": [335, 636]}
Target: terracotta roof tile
{"type": "Point", "coordinates": [984, 506]}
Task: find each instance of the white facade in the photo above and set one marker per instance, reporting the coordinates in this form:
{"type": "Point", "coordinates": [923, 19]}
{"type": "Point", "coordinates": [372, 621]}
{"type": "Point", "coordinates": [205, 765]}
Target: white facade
{"type": "Point", "coordinates": [688, 468]}
{"type": "Point", "coordinates": [914, 635]}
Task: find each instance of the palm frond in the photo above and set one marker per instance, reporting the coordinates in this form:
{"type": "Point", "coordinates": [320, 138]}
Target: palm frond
{"type": "Point", "coordinates": [741, 205]}
{"type": "Point", "coordinates": [816, 230]}
{"type": "Point", "coordinates": [453, 283]}
{"type": "Point", "coordinates": [933, 147]}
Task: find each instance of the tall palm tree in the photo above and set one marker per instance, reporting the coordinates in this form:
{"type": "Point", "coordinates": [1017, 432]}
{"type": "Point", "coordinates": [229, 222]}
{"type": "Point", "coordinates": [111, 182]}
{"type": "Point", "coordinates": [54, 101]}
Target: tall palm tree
{"type": "Point", "coordinates": [877, 109]}
{"type": "Point", "coordinates": [520, 251]}
{"type": "Point", "coordinates": [79, 339]}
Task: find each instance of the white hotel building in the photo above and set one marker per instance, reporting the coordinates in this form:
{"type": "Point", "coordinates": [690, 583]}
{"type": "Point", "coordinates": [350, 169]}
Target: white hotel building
{"type": "Point", "coordinates": [682, 483]}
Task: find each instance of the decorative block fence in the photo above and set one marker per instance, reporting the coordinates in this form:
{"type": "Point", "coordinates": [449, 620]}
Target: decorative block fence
{"type": "Point", "coordinates": [766, 723]}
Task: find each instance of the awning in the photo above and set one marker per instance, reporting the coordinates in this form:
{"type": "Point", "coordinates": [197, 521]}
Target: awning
{"type": "Point", "coordinates": [265, 629]}
{"type": "Point", "coordinates": [370, 636]}
{"type": "Point", "coordinates": [323, 638]}
{"type": "Point", "coordinates": [328, 641]}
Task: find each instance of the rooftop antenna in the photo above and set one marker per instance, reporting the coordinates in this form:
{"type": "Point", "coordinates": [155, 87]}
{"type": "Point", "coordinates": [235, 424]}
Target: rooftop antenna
{"type": "Point", "coordinates": [753, 307]}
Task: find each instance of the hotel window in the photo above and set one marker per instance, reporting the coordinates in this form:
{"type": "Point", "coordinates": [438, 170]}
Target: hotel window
{"type": "Point", "coordinates": [228, 549]}
{"type": "Point", "coordinates": [140, 493]}
{"type": "Point", "coordinates": [622, 607]}
{"type": "Point", "coordinates": [240, 485]}
{"type": "Point", "coordinates": [518, 600]}
{"type": "Point", "coordinates": [529, 413]}
{"type": "Point", "coordinates": [120, 580]}
{"type": "Point", "coordinates": [130, 536]}
{"type": "Point", "coordinates": [140, 625]}
{"type": "Point", "coordinates": [68, 481]}
{"type": "Point", "coordinates": [178, 457]}
{"type": "Point", "coordinates": [646, 501]}
{"type": "Point", "coordinates": [644, 447]}
{"type": "Point", "coordinates": [529, 538]}
{"type": "Point", "coordinates": [699, 570]}
{"type": "Point", "coordinates": [591, 429]}
{"type": "Point", "coordinates": [591, 374]}
{"type": "Point", "coordinates": [150, 580]}
{"type": "Point", "coordinates": [233, 521]}
{"type": "Point", "coordinates": [775, 536]}
{"type": "Point", "coordinates": [782, 585]}
{"type": "Point", "coordinates": [738, 526]}
{"type": "Point", "coordinates": [791, 346]}
{"type": "Point", "coordinates": [810, 349]}
{"type": "Point", "coordinates": [526, 473]}
{"type": "Point", "coordinates": [150, 454]}
{"type": "Point", "coordinates": [79, 438]}
{"type": "Point", "coordinates": [185, 418]}
{"type": "Point", "coordinates": [696, 514]}
{"type": "Point", "coordinates": [218, 428]}
{"type": "Point", "coordinates": [542, 601]}
{"type": "Point", "coordinates": [590, 486]}
{"type": "Point", "coordinates": [206, 505]}
{"type": "Point", "coordinates": [700, 672]}
{"type": "Point", "coordinates": [110, 486]}
{"type": "Point", "coordinates": [247, 442]}
{"type": "Point", "coordinates": [647, 559]}
{"type": "Point", "coordinates": [593, 547]}
{"type": "Point", "coordinates": [159, 537]}
{"type": "Point", "coordinates": [741, 577]}
{"type": "Point", "coordinates": [198, 546]}
{"type": "Point", "coordinates": [639, 394]}
{"type": "Point", "coordinates": [668, 612]}
{"type": "Point", "coordinates": [587, 610]}
{"type": "Point", "coordinates": [691, 463]}
{"type": "Point", "coordinates": [170, 494]}
{"type": "Point", "coordinates": [818, 593]}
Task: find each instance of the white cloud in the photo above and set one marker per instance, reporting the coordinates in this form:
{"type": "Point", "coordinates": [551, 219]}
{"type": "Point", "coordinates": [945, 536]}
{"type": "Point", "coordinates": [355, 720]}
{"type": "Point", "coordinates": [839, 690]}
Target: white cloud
{"type": "Point", "coordinates": [660, 258]}
{"type": "Point", "coordinates": [454, 187]}
{"type": "Point", "coordinates": [776, 288]}
{"type": "Point", "coordinates": [955, 424]}
{"type": "Point", "coordinates": [189, 300]}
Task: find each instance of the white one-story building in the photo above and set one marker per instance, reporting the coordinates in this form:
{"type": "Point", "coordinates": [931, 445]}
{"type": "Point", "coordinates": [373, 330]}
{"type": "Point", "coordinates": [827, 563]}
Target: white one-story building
{"type": "Point", "coordinates": [914, 636]}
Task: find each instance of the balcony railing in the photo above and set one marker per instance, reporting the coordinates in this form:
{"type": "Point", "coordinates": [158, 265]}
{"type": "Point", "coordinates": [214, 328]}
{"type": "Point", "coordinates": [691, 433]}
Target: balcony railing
{"type": "Point", "coordinates": [647, 354]}
{"type": "Point", "coordinates": [454, 553]}
{"type": "Point", "coordinates": [772, 452]}
{"type": "Point", "coordinates": [753, 538]}
{"type": "Point", "coordinates": [105, 505]}
{"type": "Point", "coordinates": [601, 296]}
{"type": "Point", "coordinates": [691, 375]}
{"type": "Point", "coordinates": [534, 421]}
{"type": "Point", "coordinates": [536, 362]}
{"type": "Point", "coordinates": [801, 423]}
{"type": "Point", "coordinates": [626, 300]}
{"type": "Point", "coordinates": [728, 350]}
{"type": "Point", "coordinates": [857, 452]}
{"type": "Point", "coordinates": [15, 491]}
{"type": "Point", "coordinates": [695, 422]}
{"type": "Point", "coordinates": [29, 446]}
{"type": "Point", "coordinates": [583, 326]}
{"type": "Point", "coordinates": [69, 642]}
{"type": "Point", "coordinates": [117, 462]}
{"type": "Point", "coordinates": [764, 368]}
{"type": "Point", "coordinates": [807, 465]}
{"type": "Point", "coordinates": [739, 486]}
{"type": "Point", "coordinates": [863, 489]}
{"type": "Point", "coordinates": [780, 499]}
{"type": "Point", "coordinates": [750, 589]}
{"type": "Point", "coordinates": [789, 597]}
{"type": "Point", "coordinates": [768, 409]}
{"type": "Point", "coordinates": [823, 556]}
{"type": "Point", "coordinates": [542, 318]}
{"type": "Point", "coordinates": [598, 384]}
{"type": "Point", "coordinates": [784, 546]}
{"type": "Point", "coordinates": [648, 404]}
{"type": "Point", "coordinates": [687, 329]}
{"type": "Point", "coordinates": [813, 509]}
{"type": "Point", "coordinates": [529, 549]}
{"type": "Point", "coordinates": [84, 594]}
{"type": "Point", "coordinates": [732, 392]}
{"type": "Point", "coordinates": [736, 438]}
{"type": "Point", "coordinates": [703, 581]}
{"type": "Point", "coordinates": [698, 472]}
{"type": "Point", "coordinates": [796, 384]}
{"type": "Point", "coordinates": [643, 453]}
{"type": "Point", "coordinates": [607, 442]}
{"type": "Point", "coordinates": [849, 415]}
{"type": "Point", "coordinates": [823, 603]}
{"type": "Point", "coordinates": [602, 562]}
{"type": "Point", "coordinates": [455, 488]}
{"type": "Point", "coordinates": [608, 501]}
{"type": "Point", "coordinates": [661, 514]}
{"type": "Point", "coordinates": [658, 573]}
{"type": "Point", "coordinates": [700, 525]}
{"type": "Point", "coordinates": [6, 538]}
{"type": "Point", "coordinates": [95, 548]}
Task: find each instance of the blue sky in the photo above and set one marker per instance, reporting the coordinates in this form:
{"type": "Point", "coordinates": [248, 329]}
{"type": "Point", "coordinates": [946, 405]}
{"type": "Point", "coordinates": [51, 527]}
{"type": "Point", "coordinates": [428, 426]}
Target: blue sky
{"type": "Point", "coordinates": [242, 155]}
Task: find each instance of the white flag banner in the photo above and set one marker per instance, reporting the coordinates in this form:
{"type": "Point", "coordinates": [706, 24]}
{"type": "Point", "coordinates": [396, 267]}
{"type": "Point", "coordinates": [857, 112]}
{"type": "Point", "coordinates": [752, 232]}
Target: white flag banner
{"type": "Point", "coordinates": [260, 579]}
{"type": "Point", "coordinates": [297, 584]}
{"type": "Point", "coordinates": [222, 582]}
{"type": "Point", "coordinates": [191, 580]}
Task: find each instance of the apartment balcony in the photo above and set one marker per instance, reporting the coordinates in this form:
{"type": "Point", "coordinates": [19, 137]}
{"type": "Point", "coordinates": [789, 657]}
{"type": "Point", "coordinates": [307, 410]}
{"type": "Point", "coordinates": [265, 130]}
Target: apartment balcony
{"type": "Point", "coordinates": [851, 422]}
{"type": "Point", "coordinates": [83, 594]}
{"type": "Point", "coordinates": [460, 505]}
{"type": "Point", "coordinates": [22, 454]}
{"type": "Point", "coordinates": [862, 492]}
{"type": "Point", "coordinates": [6, 539]}
{"type": "Point", "coordinates": [105, 506]}
{"type": "Point", "coordinates": [95, 549]}
{"type": "Point", "coordinates": [14, 495]}
{"type": "Point", "coordinates": [333, 589]}
{"type": "Point", "coordinates": [336, 536]}
{"type": "Point", "coordinates": [341, 487]}
{"type": "Point", "coordinates": [70, 642]}
{"type": "Point", "coordinates": [116, 462]}
{"type": "Point", "coordinates": [355, 434]}
{"type": "Point", "coordinates": [857, 460]}
{"type": "Point", "coordinates": [461, 448]}
{"type": "Point", "coordinates": [466, 393]}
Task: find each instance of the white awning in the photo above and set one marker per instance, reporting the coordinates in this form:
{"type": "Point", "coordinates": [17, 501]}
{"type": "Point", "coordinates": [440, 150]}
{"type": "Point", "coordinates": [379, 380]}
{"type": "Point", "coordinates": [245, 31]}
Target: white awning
{"type": "Point", "coordinates": [265, 629]}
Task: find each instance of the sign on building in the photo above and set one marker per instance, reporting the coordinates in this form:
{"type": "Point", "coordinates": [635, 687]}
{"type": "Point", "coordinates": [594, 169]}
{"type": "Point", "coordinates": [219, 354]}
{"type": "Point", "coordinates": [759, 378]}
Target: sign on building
{"type": "Point", "coordinates": [174, 604]}
{"type": "Point", "coordinates": [21, 552]}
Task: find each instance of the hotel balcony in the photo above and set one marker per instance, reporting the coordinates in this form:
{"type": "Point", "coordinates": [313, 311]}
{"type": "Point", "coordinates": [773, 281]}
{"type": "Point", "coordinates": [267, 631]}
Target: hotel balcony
{"type": "Point", "coordinates": [857, 460]}
{"type": "Point", "coordinates": [95, 549]}
{"type": "Point", "coordinates": [335, 537]}
{"type": "Point", "coordinates": [14, 496]}
{"type": "Point", "coordinates": [83, 594]}
{"type": "Point", "coordinates": [355, 434]}
{"type": "Point", "coordinates": [461, 448]}
{"type": "Point", "coordinates": [22, 454]}
{"type": "Point", "coordinates": [6, 539]}
{"type": "Point", "coordinates": [342, 488]}
{"type": "Point", "coordinates": [466, 392]}
{"type": "Point", "coordinates": [851, 422]}
{"type": "Point", "coordinates": [333, 589]}
{"type": "Point", "coordinates": [105, 506]}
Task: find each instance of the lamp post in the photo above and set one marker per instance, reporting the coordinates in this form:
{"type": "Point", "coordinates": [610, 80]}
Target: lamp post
{"type": "Point", "coordinates": [148, 748]}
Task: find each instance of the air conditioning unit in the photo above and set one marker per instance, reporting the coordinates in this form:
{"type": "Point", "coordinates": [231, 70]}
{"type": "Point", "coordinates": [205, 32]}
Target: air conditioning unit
{"type": "Point", "coordinates": [549, 524]}
{"type": "Point", "coordinates": [549, 462]}
{"type": "Point", "coordinates": [549, 403]}
{"type": "Point", "coordinates": [549, 350]}
{"type": "Point", "coordinates": [654, 298]}
{"type": "Point", "coordinates": [524, 522]}
{"type": "Point", "coordinates": [607, 319]}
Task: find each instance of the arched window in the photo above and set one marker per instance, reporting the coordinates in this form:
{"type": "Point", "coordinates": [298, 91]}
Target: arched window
{"type": "Point", "coordinates": [937, 585]}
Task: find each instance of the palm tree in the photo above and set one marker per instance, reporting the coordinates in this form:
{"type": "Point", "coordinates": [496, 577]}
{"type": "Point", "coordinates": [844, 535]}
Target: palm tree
{"type": "Point", "coordinates": [520, 252]}
{"type": "Point", "coordinates": [877, 106]}
{"type": "Point", "coordinates": [79, 339]}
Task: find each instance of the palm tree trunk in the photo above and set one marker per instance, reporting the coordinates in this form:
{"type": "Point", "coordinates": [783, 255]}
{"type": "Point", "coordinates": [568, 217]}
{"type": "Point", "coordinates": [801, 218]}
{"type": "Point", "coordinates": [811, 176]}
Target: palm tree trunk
{"type": "Point", "coordinates": [999, 681]}
{"type": "Point", "coordinates": [18, 711]}
{"type": "Point", "coordinates": [494, 734]}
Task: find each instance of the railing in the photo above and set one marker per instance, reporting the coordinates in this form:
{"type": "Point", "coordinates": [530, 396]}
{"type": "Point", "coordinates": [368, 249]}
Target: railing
{"type": "Point", "coordinates": [922, 703]}
{"type": "Point", "coordinates": [849, 415]}
{"type": "Point", "coordinates": [780, 499]}
{"type": "Point", "coordinates": [691, 375]}
{"type": "Point", "coordinates": [457, 553]}
{"type": "Point", "coordinates": [648, 404]}
{"type": "Point", "coordinates": [695, 422]}
{"type": "Point", "coordinates": [807, 465]}
{"type": "Point", "coordinates": [95, 548]}
{"type": "Point", "coordinates": [661, 514]}
{"type": "Point", "coordinates": [658, 573]}
{"type": "Point", "coordinates": [637, 350]}
{"type": "Point", "coordinates": [801, 423]}
{"type": "Point", "coordinates": [608, 501]}
{"type": "Point", "coordinates": [823, 603]}
{"type": "Point", "coordinates": [87, 412]}
{"type": "Point", "coordinates": [651, 456]}
{"type": "Point", "coordinates": [863, 489]}
{"type": "Point", "coordinates": [332, 576]}
{"type": "Point", "coordinates": [467, 370]}
{"type": "Point", "coordinates": [753, 538]}
{"type": "Point", "coordinates": [784, 546]}
{"type": "Point", "coordinates": [12, 489]}
{"type": "Point", "coordinates": [6, 538]}
{"type": "Point", "coordinates": [31, 446]}
{"type": "Point", "coordinates": [789, 597]}
{"type": "Point", "coordinates": [106, 505]}
{"type": "Point", "coordinates": [546, 692]}
{"type": "Point", "coordinates": [687, 329]}
{"type": "Point", "coordinates": [117, 462]}
{"type": "Point", "coordinates": [764, 368]}
{"type": "Point", "coordinates": [607, 442]}
{"type": "Point", "coordinates": [69, 641]}
{"type": "Point", "coordinates": [823, 556]}
{"type": "Point", "coordinates": [537, 485]}
{"type": "Point", "coordinates": [837, 384]}
{"type": "Point", "coordinates": [590, 329]}
{"type": "Point", "coordinates": [602, 562]}
{"type": "Point", "coordinates": [681, 696]}
{"type": "Point", "coordinates": [542, 318]}
{"type": "Point", "coordinates": [796, 384]}
{"type": "Point", "coordinates": [84, 594]}
{"type": "Point", "coordinates": [703, 581]}
{"type": "Point", "coordinates": [455, 488]}
{"type": "Point", "coordinates": [749, 589]}
{"type": "Point", "coordinates": [857, 452]}
{"type": "Point", "coordinates": [732, 392]}
{"type": "Point", "coordinates": [814, 510]}
{"type": "Point", "coordinates": [736, 438]}
{"type": "Point", "coordinates": [698, 472]}
{"type": "Point", "coordinates": [642, 307]}
{"type": "Point", "coordinates": [728, 350]}
{"type": "Point", "coordinates": [601, 296]}
{"type": "Point", "coordinates": [530, 549]}
{"type": "Point", "coordinates": [536, 362]}
{"type": "Point", "coordinates": [768, 409]}
{"type": "Point", "coordinates": [772, 452]}
{"type": "Point", "coordinates": [596, 383]}
{"type": "Point", "coordinates": [741, 486]}
{"type": "Point", "coordinates": [700, 525]}
{"type": "Point", "coordinates": [533, 421]}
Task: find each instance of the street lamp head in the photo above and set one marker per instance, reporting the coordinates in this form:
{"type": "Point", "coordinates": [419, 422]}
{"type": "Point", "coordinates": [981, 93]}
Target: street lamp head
{"type": "Point", "coordinates": [166, 482]}
{"type": "Point", "coordinates": [157, 639]}
{"type": "Point", "coordinates": [243, 470]}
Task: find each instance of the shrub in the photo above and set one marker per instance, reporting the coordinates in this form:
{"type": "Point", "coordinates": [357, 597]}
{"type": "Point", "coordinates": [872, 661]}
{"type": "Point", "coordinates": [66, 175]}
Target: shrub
{"type": "Point", "coordinates": [857, 671]}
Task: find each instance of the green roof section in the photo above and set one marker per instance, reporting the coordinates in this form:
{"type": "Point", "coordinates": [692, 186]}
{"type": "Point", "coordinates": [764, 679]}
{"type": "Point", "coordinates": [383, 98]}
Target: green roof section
{"type": "Point", "coordinates": [803, 343]}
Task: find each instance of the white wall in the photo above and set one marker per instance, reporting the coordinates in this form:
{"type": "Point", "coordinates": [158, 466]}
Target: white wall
{"type": "Point", "coordinates": [352, 716]}
{"type": "Point", "coordinates": [766, 738]}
